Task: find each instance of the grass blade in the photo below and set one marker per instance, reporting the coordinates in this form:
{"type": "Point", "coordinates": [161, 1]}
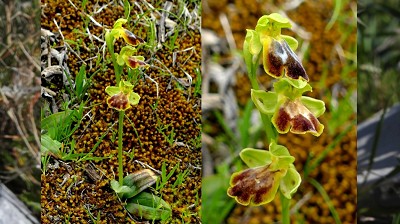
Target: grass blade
{"type": "Point", "coordinates": [328, 201]}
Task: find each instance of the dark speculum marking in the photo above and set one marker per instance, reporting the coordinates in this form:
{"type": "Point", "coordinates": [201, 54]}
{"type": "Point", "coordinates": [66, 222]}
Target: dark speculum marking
{"type": "Point", "coordinates": [294, 68]}
{"type": "Point", "coordinates": [133, 63]}
{"type": "Point", "coordinates": [283, 120]}
{"type": "Point", "coordinates": [118, 101]}
{"type": "Point", "coordinates": [281, 58]}
{"type": "Point", "coordinates": [252, 184]}
{"type": "Point", "coordinates": [274, 60]}
{"type": "Point", "coordinates": [132, 39]}
{"type": "Point", "coordinates": [301, 124]}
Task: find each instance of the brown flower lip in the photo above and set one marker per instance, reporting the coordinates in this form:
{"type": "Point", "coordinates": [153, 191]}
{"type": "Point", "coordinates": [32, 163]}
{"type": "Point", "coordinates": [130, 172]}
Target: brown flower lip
{"type": "Point", "coordinates": [254, 185]}
{"type": "Point", "coordinates": [131, 38]}
{"type": "Point", "coordinates": [279, 58]}
{"type": "Point", "coordinates": [134, 63]}
{"type": "Point", "coordinates": [118, 101]}
{"type": "Point", "coordinates": [296, 117]}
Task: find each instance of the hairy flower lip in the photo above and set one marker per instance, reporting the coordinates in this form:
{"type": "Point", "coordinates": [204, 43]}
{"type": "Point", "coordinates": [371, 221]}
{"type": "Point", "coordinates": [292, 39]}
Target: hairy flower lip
{"type": "Point", "coordinates": [280, 60]}
{"type": "Point", "coordinates": [134, 62]}
{"type": "Point", "coordinates": [130, 38]}
{"type": "Point", "coordinates": [118, 101]}
{"type": "Point", "coordinates": [294, 116]}
{"type": "Point", "coordinates": [255, 186]}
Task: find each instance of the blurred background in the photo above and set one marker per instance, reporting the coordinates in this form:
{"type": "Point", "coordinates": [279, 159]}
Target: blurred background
{"type": "Point", "coordinates": [378, 111]}
{"type": "Point", "coordinates": [326, 31]}
{"type": "Point", "coordinates": [19, 114]}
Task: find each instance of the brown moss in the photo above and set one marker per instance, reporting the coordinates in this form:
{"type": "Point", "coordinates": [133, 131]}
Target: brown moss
{"type": "Point", "coordinates": [176, 109]}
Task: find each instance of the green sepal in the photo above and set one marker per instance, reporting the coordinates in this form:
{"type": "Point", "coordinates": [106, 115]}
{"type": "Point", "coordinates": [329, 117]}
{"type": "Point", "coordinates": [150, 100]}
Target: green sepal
{"type": "Point", "coordinates": [116, 33]}
{"type": "Point", "coordinates": [316, 107]}
{"type": "Point", "coordinates": [112, 90]}
{"type": "Point", "coordinates": [265, 102]}
{"type": "Point", "coordinates": [128, 50]}
{"type": "Point", "coordinates": [278, 150]}
{"type": "Point", "coordinates": [278, 19]}
{"type": "Point", "coordinates": [290, 182]}
{"type": "Point", "coordinates": [120, 59]}
{"type": "Point", "coordinates": [271, 25]}
{"type": "Point", "coordinates": [254, 43]}
{"type": "Point", "coordinates": [281, 158]}
{"type": "Point", "coordinates": [255, 157]}
{"type": "Point", "coordinates": [119, 22]}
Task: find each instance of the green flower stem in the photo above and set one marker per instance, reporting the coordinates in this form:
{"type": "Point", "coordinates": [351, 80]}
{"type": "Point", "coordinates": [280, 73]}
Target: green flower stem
{"type": "Point", "coordinates": [285, 203]}
{"type": "Point", "coordinates": [117, 68]}
{"type": "Point", "coordinates": [271, 133]}
{"type": "Point", "coordinates": [120, 130]}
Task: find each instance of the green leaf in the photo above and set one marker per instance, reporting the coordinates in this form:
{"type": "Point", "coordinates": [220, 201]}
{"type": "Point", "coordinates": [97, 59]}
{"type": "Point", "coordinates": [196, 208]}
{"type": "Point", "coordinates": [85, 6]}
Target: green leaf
{"type": "Point", "coordinates": [123, 191]}
{"type": "Point", "coordinates": [48, 145]}
{"type": "Point", "coordinates": [248, 57]}
{"type": "Point", "coordinates": [58, 122]}
{"type": "Point", "coordinates": [139, 181]}
{"type": "Point", "coordinates": [80, 81]}
{"type": "Point", "coordinates": [265, 102]}
{"type": "Point", "coordinates": [255, 157]}
{"type": "Point", "coordinates": [290, 182]}
{"type": "Point", "coordinates": [316, 107]}
{"type": "Point", "coordinates": [148, 206]}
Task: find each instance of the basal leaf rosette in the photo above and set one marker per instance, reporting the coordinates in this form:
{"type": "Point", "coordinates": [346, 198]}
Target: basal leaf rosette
{"type": "Point", "coordinates": [118, 31]}
{"type": "Point", "coordinates": [122, 96]}
{"type": "Point", "coordinates": [279, 58]}
{"type": "Point", "coordinates": [126, 56]}
{"type": "Point", "coordinates": [269, 171]}
{"type": "Point", "coordinates": [291, 111]}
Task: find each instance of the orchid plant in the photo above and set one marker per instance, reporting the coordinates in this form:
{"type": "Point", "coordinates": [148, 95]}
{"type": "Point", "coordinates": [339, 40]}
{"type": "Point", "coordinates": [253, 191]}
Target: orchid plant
{"type": "Point", "coordinates": [282, 110]}
{"type": "Point", "coordinates": [122, 98]}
